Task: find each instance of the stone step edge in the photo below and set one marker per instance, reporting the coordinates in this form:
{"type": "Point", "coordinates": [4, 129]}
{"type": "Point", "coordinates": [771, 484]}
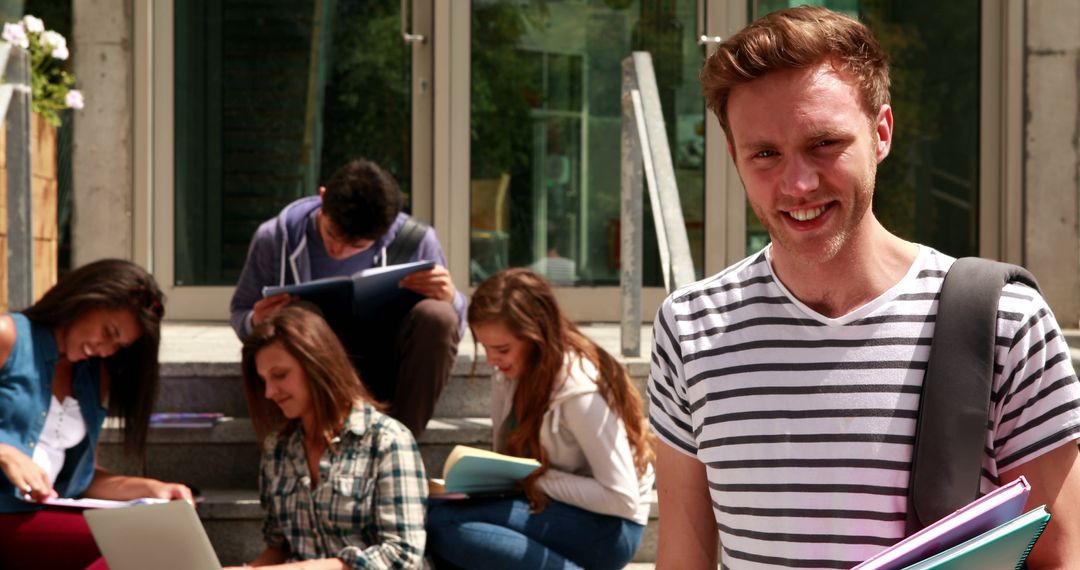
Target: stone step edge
{"type": "Point", "coordinates": [462, 367]}
{"type": "Point", "coordinates": [440, 431]}
{"type": "Point", "coordinates": [243, 504]}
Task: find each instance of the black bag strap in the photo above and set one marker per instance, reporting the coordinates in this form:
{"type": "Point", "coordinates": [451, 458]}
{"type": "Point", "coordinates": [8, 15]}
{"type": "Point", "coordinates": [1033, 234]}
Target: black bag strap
{"type": "Point", "coordinates": [406, 242]}
{"type": "Point", "coordinates": [950, 437]}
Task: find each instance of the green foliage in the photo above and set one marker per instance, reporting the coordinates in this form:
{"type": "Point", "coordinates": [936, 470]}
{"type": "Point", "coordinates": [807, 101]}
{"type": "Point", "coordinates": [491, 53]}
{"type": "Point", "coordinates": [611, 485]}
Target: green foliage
{"type": "Point", "coordinates": [505, 90]}
{"type": "Point", "coordinates": [49, 83]}
{"type": "Point", "coordinates": [368, 106]}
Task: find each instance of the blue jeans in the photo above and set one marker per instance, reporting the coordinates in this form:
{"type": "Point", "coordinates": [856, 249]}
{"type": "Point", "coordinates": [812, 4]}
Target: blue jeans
{"type": "Point", "coordinates": [502, 533]}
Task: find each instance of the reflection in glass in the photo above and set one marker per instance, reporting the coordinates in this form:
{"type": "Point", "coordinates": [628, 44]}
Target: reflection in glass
{"type": "Point", "coordinates": [546, 124]}
{"type": "Point", "coordinates": [270, 98]}
{"type": "Point", "coordinates": [927, 189]}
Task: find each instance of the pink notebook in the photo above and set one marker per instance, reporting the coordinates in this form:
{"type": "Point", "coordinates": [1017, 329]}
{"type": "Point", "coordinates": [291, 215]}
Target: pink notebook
{"type": "Point", "coordinates": [993, 509]}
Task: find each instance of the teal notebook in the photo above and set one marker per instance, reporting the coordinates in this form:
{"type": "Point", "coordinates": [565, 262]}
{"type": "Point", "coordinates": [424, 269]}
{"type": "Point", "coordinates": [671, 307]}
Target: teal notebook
{"type": "Point", "coordinates": [1005, 547]}
{"type": "Point", "coordinates": [471, 470]}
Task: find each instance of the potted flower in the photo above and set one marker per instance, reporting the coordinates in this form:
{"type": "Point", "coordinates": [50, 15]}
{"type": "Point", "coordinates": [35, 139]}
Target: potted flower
{"type": "Point", "coordinates": [52, 87]}
{"type": "Point", "coordinates": [52, 91]}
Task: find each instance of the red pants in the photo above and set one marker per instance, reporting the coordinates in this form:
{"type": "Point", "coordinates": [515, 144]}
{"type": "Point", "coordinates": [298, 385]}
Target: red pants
{"type": "Point", "coordinates": [49, 538]}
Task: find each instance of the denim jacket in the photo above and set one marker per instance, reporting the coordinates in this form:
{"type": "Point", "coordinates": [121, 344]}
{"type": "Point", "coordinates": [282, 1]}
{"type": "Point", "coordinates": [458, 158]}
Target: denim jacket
{"type": "Point", "coordinates": [25, 393]}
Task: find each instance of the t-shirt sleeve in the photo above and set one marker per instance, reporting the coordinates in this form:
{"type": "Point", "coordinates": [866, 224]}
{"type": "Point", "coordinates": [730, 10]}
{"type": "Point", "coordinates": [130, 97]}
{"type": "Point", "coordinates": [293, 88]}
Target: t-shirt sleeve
{"type": "Point", "coordinates": [1036, 398]}
{"type": "Point", "coordinates": [669, 405]}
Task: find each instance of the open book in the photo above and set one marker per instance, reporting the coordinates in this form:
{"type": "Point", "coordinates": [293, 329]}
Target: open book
{"type": "Point", "coordinates": [100, 503]}
{"type": "Point", "coordinates": [359, 294]}
{"type": "Point", "coordinates": [469, 470]}
{"type": "Point", "coordinates": [970, 536]}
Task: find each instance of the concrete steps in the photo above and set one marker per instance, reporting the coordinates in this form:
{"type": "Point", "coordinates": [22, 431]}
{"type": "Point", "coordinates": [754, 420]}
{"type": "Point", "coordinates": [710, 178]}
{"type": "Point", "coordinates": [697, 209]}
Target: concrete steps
{"type": "Point", "coordinates": [233, 520]}
{"type": "Point", "coordinates": [201, 373]}
{"type": "Point", "coordinates": [216, 387]}
{"type": "Point", "coordinates": [227, 455]}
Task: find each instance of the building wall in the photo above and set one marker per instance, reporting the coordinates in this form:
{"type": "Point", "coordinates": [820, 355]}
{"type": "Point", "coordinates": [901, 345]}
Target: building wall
{"type": "Point", "coordinates": [104, 190]}
{"type": "Point", "coordinates": [1052, 153]}
{"type": "Point", "coordinates": [102, 157]}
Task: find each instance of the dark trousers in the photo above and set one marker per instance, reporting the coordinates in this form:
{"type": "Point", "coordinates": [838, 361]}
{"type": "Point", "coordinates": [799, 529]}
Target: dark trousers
{"type": "Point", "coordinates": [405, 355]}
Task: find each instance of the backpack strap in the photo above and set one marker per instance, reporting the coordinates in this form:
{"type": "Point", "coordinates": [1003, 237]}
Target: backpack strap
{"type": "Point", "coordinates": [406, 242]}
{"type": "Point", "coordinates": [950, 436]}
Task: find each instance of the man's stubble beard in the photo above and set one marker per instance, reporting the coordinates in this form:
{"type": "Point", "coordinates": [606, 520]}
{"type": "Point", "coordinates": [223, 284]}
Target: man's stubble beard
{"type": "Point", "coordinates": [834, 244]}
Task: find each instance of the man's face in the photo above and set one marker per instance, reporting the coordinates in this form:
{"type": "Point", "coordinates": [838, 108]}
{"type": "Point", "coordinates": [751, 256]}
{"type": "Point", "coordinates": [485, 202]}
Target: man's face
{"type": "Point", "coordinates": [807, 155]}
{"type": "Point", "coordinates": [337, 244]}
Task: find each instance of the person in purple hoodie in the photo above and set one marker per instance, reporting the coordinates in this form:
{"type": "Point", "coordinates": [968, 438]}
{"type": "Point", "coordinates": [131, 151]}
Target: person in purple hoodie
{"type": "Point", "coordinates": [405, 351]}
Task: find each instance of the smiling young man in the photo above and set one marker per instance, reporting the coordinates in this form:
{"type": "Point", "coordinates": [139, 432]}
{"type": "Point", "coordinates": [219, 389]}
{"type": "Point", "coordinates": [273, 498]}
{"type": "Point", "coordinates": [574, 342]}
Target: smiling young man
{"type": "Point", "coordinates": [406, 351]}
{"type": "Point", "coordinates": [784, 390]}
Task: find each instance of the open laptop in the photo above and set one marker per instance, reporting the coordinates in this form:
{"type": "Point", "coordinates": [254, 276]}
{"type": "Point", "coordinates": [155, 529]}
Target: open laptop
{"type": "Point", "coordinates": [165, 536]}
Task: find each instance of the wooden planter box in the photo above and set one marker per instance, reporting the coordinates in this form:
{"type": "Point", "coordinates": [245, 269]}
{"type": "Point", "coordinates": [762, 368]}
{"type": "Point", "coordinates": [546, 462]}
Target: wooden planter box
{"type": "Point", "coordinates": [44, 191]}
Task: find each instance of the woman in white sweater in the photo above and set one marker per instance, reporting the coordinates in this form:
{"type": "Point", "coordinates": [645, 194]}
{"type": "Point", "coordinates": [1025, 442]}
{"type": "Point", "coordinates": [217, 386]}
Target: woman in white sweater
{"type": "Point", "coordinates": [559, 398]}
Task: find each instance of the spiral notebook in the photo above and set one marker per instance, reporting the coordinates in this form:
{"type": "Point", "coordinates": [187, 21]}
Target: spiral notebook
{"type": "Point", "coordinates": [1005, 547]}
{"type": "Point", "coordinates": [985, 513]}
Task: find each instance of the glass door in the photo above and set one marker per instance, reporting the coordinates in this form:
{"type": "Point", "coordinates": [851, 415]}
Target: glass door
{"type": "Point", "coordinates": [268, 99]}
{"type": "Point", "coordinates": [928, 188]}
{"type": "Point", "coordinates": [545, 136]}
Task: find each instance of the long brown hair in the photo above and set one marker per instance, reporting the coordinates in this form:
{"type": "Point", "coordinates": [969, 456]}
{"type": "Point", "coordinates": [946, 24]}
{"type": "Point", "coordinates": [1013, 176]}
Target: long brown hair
{"type": "Point", "coordinates": [524, 302]}
{"type": "Point", "coordinates": [134, 372]}
{"type": "Point", "coordinates": [796, 38]}
{"type": "Point", "coordinates": [333, 383]}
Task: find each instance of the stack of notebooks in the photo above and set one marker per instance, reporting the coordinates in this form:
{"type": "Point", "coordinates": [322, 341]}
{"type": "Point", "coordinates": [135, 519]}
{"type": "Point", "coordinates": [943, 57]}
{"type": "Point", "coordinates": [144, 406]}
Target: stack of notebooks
{"type": "Point", "coordinates": [988, 534]}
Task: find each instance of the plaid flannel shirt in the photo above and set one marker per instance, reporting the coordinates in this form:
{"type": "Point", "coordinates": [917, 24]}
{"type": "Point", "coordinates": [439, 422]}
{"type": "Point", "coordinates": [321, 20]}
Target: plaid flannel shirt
{"type": "Point", "coordinates": [368, 508]}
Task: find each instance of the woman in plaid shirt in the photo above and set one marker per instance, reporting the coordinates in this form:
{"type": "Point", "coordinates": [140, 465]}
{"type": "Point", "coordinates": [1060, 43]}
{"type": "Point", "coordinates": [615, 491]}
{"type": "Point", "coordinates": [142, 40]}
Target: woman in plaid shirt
{"type": "Point", "coordinates": [342, 483]}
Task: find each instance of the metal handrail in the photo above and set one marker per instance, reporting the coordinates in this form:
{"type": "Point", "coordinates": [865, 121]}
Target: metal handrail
{"type": "Point", "coordinates": [15, 65]}
{"type": "Point", "coordinates": [646, 154]}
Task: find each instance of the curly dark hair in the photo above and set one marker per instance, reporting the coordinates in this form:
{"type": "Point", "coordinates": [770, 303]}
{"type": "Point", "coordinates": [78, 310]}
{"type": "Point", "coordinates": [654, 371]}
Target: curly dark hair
{"type": "Point", "coordinates": [362, 200]}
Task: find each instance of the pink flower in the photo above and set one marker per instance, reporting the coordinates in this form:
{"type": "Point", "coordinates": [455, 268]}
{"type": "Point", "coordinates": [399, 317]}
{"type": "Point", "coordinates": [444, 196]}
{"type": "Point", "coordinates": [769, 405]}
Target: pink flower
{"type": "Point", "coordinates": [74, 99]}
{"type": "Point", "coordinates": [14, 34]}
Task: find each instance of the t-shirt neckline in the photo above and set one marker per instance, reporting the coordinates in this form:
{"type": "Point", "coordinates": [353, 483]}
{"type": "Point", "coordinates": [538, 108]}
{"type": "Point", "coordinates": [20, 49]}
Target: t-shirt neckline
{"type": "Point", "coordinates": [859, 312]}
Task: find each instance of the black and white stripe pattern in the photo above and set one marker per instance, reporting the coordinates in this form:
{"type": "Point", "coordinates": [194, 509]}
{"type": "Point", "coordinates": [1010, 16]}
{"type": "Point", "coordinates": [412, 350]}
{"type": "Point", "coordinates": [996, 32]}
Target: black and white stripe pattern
{"type": "Point", "coordinates": [806, 423]}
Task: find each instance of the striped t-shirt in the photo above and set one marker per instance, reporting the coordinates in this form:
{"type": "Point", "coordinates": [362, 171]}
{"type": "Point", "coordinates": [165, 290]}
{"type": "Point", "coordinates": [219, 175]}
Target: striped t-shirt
{"type": "Point", "coordinates": [806, 423]}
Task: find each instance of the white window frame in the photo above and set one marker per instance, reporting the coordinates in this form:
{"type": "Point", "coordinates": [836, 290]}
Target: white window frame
{"type": "Point", "coordinates": [445, 171]}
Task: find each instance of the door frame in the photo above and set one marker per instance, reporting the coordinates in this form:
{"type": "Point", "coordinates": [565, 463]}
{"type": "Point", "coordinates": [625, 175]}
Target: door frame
{"type": "Point", "coordinates": [724, 201]}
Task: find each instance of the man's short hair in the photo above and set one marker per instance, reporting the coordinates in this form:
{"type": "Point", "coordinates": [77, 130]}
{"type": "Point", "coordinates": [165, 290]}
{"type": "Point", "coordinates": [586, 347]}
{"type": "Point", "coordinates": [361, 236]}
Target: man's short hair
{"type": "Point", "coordinates": [797, 38]}
{"type": "Point", "coordinates": [362, 200]}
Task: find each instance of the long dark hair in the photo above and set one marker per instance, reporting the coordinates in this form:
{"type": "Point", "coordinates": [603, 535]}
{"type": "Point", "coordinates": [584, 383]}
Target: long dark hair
{"type": "Point", "coordinates": [524, 302]}
{"type": "Point", "coordinates": [134, 372]}
{"type": "Point", "coordinates": [333, 383]}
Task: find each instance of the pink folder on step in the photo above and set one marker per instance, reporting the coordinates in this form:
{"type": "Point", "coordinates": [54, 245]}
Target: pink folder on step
{"type": "Point", "coordinates": [993, 509]}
